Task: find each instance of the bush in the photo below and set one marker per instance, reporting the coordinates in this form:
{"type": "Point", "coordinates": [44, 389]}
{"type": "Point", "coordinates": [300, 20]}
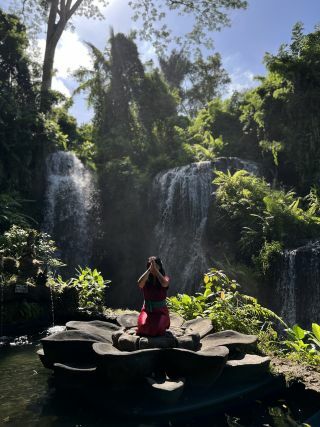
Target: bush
{"type": "Point", "coordinates": [91, 287]}
{"type": "Point", "coordinates": [14, 242]}
{"type": "Point", "coordinates": [222, 302]}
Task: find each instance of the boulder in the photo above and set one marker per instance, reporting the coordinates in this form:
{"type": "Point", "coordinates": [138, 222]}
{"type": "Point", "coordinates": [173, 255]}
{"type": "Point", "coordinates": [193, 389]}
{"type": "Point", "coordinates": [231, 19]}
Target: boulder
{"type": "Point", "coordinates": [128, 342]}
{"type": "Point", "coordinates": [115, 336]}
{"type": "Point", "coordinates": [128, 320]}
{"type": "Point", "coordinates": [231, 339]}
{"type": "Point", "coordinates": [177, 332]}
{"type": "Point", "coordinates": [165, 341]}
{"type": "Point", "coordinates": [190, 342]}
{"type": "Point", "coordinates": [70, 346]}
{"type": "Point", "coordinates": [167, 391]}
{"type": "Point", "coordinates": [96, 327]}
{"type": "Point", "coordinates": [198, 326]}
{"type": "Point", "coordinates": [121, 367]}
{"type": "Point", "coordinates": [199, 368]}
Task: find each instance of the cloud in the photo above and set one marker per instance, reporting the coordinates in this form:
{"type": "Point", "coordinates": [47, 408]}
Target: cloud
{"type": "Point", "coordinates": [58, 84]}
{"type": "Point", "coordinates": [71, 53]}
{"type": "Point", "coordinates": [241, 80]}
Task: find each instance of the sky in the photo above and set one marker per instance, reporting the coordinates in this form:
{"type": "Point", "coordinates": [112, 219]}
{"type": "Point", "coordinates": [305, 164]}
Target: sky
{"type": "Point", "coordinates": [261, 28]}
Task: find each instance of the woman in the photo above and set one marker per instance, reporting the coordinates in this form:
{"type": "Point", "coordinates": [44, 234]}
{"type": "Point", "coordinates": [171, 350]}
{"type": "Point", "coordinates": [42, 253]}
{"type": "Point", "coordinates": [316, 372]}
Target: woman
{"type": "Point", "coordinates": [154, 317]}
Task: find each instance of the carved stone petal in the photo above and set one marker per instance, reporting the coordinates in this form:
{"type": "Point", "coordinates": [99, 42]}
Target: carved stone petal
{"type": "Point", "coordinates": [96, 327]}
{"type": "Point", "coordinates": [247, 369]}
{"type": "Point", "coordinates": [168, 391]}
{"type": "Point", "coordinates": [128, 320]}
{"type": "Point", "coordinates": [70, 346]}
{"type": "Point", "coordinates": [200, 326]}
{"type": "Point", "coordinates": [120, 367]}
{"type": "Point", "coordinates": [199, 368]}
{"type": "Point", "coordinates": [230, 339]}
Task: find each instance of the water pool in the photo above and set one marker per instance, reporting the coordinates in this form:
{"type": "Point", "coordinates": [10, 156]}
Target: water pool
{"type": "Point", "coordinates": [28, 398]}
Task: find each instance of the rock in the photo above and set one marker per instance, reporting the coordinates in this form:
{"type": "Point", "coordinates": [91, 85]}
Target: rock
{"type": "Point", "coordinates": [128, 320]}
{"type": "Point", "coordinates": [115, 337]}
{"type": "Point", "coordinates": [200, 326]}
{"type": "Point", "coordinates": [165, 341]}
{"type": "Point", "coordinates": [248, 369]}
{"type": "Point", "coordinates": [127, 342]}
{"type": "Point", "coordinates": [199, 368]}
{"type": "Point", "coordinates": [168, 391]}
{"type": "Point", "coordinates": [70, 346]}
{"type": "Point", "coordinates": [177, 332]}
{"type": "Point", "coordinates": [176, 321]}
{"type": "Point", "coordinates": [231, 339]}
{"type": "Point", "coordinates": [190, 342]}
{"type": "Point", "coordinates": [120, 367]}
{"type": "Point", "coordinates": [96, 327]}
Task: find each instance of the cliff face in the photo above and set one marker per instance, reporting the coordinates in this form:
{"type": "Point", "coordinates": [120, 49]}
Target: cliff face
{"type": "Point", "coordinates": [297, 285]}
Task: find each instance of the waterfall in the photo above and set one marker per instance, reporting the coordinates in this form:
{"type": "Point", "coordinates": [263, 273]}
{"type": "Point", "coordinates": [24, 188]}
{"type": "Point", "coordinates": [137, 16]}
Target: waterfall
{"type": "Point", "coordinates": [286, 288]}
{"type": "Point", "coordinates": [70, 200]}
{"type": "Point", "coordinates": [298, 285]}
{"type": "Point", "coordinates": [182, 197]}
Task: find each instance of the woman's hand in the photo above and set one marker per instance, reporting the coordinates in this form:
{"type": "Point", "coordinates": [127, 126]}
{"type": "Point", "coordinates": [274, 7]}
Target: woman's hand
{"type": "Point", "coordinates": [153, 267]}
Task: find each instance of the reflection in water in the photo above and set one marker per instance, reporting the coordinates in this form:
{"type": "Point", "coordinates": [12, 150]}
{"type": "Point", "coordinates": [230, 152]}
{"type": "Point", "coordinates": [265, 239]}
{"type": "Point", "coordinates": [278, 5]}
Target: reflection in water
{"type": "Point", "coordinates": [28, 399]}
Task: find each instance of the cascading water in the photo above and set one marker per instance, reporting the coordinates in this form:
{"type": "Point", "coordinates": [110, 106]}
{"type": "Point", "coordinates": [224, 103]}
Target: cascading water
{"type": "Point", "coordinates": [182, 197]}
{"type": "Point", "coordinates": [298, 285]}
{"type": "Point", "coordinates": [70, 202]}
{"type": "Point", "coordinates": [286, 288]}
{"type": "Point", "coordinates": [1, 305]}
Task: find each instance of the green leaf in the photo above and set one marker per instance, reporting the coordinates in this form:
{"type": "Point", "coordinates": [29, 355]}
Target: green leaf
{"type": "Point", "coordinates": [299, 332]}
{"type": "Point", "coordinates": [316, 330]}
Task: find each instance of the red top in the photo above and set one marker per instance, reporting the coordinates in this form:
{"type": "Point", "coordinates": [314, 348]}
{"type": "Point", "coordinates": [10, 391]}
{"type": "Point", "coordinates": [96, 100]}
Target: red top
{"type": "Point", "coordinates": [154, 291]}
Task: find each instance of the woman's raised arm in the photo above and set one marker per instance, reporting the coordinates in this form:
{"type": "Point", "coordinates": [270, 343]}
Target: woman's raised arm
{"type": "Point", "coordinates": [143, 278]}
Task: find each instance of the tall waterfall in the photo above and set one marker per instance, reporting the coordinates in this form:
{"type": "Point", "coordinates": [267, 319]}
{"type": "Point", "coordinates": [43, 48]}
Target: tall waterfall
{"type": "Point", "coordinates": [70, 200]}
{"type": "Point", "coordinates": [181, 197]}
{"type": "Point", "coordinates": [298, 285]}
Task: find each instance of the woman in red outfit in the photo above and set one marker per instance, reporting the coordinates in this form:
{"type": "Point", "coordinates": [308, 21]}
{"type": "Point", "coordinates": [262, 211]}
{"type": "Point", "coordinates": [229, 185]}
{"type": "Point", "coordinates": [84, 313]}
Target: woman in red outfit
{"type": "Point", "coordinates": [154, 316]}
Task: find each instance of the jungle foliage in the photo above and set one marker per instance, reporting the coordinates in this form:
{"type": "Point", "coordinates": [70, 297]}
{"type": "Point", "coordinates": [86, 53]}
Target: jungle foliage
{"type": "Point", "coordinates": [261, 220]}
{"type": "Point", "coordinates": [228, 308]}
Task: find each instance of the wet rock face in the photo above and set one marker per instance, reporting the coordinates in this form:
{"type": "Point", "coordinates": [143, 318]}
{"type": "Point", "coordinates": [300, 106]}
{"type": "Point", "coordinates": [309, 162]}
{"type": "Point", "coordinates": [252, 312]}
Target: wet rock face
{"type": "Point", "coordinates": [101, 352]}
{"type": "Point", "coordinates": [298, 285]}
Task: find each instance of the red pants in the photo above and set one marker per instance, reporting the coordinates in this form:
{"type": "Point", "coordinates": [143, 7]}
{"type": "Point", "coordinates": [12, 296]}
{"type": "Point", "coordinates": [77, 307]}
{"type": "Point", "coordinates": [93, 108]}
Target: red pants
{"type": "Point", "coordinates": [155, 323]}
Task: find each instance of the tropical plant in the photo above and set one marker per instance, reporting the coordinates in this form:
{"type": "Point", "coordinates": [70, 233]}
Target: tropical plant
{"type": "Point", "coordinates": [14, 242]}
{"type": "Point", "coordinates": [222, 302]}
{"type": "Point", "coordinates": [91, 288]}
{"type": "Point", "coordinates": [303, 345]}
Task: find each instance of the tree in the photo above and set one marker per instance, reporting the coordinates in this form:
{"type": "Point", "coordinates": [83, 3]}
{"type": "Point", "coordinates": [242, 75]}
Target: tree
{"type": "Point", "coordinates": [207, 78]}
{"type": "Point", "coordinates": [197, 81]}
{"type": "Point", "coordinates": [57, 15]}
{"type": "Point", "coordinates": [208, 16]}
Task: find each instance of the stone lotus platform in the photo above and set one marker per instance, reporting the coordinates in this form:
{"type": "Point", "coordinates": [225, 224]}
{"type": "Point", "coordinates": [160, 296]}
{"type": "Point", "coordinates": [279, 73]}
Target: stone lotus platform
{"type": "Point", "coordinates": [188, 355]}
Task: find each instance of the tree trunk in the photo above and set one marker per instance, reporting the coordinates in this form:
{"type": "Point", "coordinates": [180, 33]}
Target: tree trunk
{"type": "Point", "coordinates": [54, 32]}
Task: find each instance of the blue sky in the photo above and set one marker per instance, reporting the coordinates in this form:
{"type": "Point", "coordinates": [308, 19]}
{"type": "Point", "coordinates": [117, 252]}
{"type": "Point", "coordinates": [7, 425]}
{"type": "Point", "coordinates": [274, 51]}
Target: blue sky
{"type": "Point", "coordinates": [261, 28]}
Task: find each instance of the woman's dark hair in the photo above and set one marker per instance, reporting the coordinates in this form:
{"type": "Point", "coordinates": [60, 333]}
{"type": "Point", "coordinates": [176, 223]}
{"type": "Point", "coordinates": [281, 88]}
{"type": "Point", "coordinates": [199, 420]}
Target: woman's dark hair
{"type": "Point", "coordinates": [161, 269]}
